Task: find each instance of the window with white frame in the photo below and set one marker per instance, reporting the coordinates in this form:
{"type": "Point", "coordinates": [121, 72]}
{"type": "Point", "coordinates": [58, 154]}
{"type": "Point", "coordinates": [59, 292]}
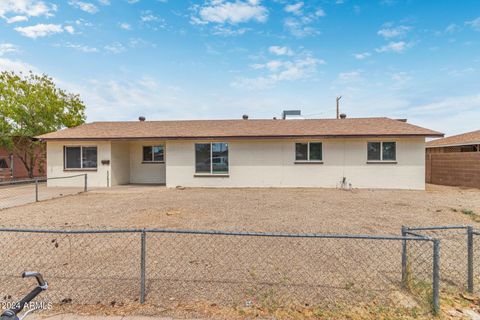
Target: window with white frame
{"type": "Point", "coordinates": [152, 154]}
{"type": "Point", "coordinates": [80, 157]}
{"type": "Point", "coordinates": [382, 151]}
{"type": "Point", "coordinates": [211, 158]}
{"type": "Point", "coordinates": [308, 152]}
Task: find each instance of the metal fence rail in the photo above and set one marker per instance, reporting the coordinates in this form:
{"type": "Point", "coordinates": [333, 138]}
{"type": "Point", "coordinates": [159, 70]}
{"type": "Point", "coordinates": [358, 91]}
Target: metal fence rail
{"type": "Point", "coordinates": [19, 192]}
{"type": "Point", "coordinates": [165, 267]}
{"type": "Point", "coordinates": [460, 244]}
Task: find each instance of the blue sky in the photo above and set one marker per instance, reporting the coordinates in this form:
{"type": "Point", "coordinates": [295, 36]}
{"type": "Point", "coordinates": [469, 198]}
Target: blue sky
{"type": "Point", "coordinates": [220, 59]}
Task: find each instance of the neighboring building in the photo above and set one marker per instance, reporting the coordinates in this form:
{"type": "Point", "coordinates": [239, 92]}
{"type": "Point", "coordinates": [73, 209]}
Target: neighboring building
{"type": "Point", "coordinates": [11, 166]}
{"type": "Point", "coordinates": [455, 160]}
{"type": "Point", "coordinates": [361, 152]}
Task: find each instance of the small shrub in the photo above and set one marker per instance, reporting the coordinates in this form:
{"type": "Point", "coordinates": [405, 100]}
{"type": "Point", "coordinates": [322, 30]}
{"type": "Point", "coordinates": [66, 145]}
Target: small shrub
{"type": "Point", "coordinates": [468, 212]}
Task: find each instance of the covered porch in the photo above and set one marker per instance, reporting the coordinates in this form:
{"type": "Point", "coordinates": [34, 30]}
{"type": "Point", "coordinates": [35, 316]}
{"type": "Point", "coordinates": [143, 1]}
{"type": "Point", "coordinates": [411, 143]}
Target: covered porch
{"type": "Point", "coordinates": [137, 162]}
{"type": "Point", "coordinates": [107, 163]}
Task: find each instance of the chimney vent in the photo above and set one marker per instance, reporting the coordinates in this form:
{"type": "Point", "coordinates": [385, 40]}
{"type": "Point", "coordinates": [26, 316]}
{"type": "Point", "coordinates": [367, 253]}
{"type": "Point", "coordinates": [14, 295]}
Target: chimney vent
{"type": "Point", "coordinates": [245, 117]}
{"type": "Point", "coordinates": [141, 119]}
{"type": "Point", "coordinates": [343, 115]}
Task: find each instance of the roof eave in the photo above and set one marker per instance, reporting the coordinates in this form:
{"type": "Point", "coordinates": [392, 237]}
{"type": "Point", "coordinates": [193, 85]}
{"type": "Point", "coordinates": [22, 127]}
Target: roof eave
{"type": "Point", "coordinates": [454, 144]}
{"type": "Point", "coordinates": [243, 137]}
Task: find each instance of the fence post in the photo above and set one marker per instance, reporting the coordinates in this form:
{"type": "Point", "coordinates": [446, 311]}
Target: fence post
{"type": "Point", "coordinates": [404, 259]}
{"type": "Point", "coordinates": [470, 259]}
{"type": "Point", "coordinates": [143, 242]}
{"type": "Point", "coordinates": [436, 277]}
{"type": "Point", "coordinates": [36, 190]}
{"type": "Point", "coordinates": [86, 179]}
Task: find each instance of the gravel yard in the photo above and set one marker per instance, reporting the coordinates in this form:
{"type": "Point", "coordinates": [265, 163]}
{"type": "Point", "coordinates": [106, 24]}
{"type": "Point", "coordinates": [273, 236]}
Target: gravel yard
{"type": "Point", "coordinates": [20, 194]}
{"type": "Point", "coordinates": [286, 210]}
{"type": "Point", "coordinates": [228, 270]}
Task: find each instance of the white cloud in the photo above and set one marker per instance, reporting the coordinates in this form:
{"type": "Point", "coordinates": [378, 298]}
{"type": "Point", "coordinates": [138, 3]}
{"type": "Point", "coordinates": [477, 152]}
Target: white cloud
{"type": "Point", "coordinates": [362, 55]}
{"type": "Point", "coordinates": [349, 77]}
{"type": "Point", "coordinates": [231, 12]}
{"type": "Point", "coordinates": [222, 30]}
{"type": "Point", "coordinates": [148, 16]}
{"type": "Point", "coordinates": [295, 8]}
{"type": "Point", "coordinates": [125, 26]}
{"type": "Point", "coordinates": [320, 12]}
{"type": "Point", "coordinates": [140, 43]}
{"type": "Point", "coordinates": [300, 24]}
{"type": "Point", "coordinates": [280, 51]}
{"type": "Point", "coordinates": [445, 106]}
{"type": "Point", "coordinates": [83, 23]}
{"type": "Point", "coordinates": [82, 48]}
{"type": "Point", "coordinates": [28, 8]}
{"type": "Point", "coordinates": [401, 79]}
{"type": "Point", "coordinates": [70, 29]}
{"type": "Point", "coordinates": [396, 47]}
{"type": "Point", "coordinates": [39, 30]}
{"type": "Point", "coordinates": [16, 65]}
{"type": "Point", "coordinates": [132, 1]}
{"type": "Point", "coordinates": [104, 2]}
{"type": "Point", "coordinates": [6, 48]}
{"type": "Point", "coordinates": [115, 47]}
{"type": "Point", "coordinates": [301, 66]}
{"type": "Point", "coordinates": [394, 32]}
{"type": "Point", "coordinates": [16, 19]}
{"type": "Point", "coordinates": [127, 99]}
{"type": "Point", "coordinates": [84, 6]}
{"type": "Point", "coordinates": [475, 24]}
{"type": "Point", "coordinates": [452, 28]}
{"type": "Point", "coordinates": [299, 27]}
{"type": "Point", "coordinates": [150, 20]}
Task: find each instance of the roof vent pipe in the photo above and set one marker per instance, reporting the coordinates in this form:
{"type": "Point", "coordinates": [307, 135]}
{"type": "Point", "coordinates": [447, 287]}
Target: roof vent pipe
{"type": "Point", "coordinates": [141, 119]}
{"type": "Point", "coordinates": [245, 117]}
{"type": "Point", "coordinates": [343, 115]}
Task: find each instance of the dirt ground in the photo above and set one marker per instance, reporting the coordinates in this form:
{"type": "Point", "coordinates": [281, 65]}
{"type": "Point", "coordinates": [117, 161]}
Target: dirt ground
{"type": "Point", "coordinates": [285, 210]}
{"type": "Point", "coordinates": [225, 269]}
{"type": "Point", "coordinates": [17, 195]}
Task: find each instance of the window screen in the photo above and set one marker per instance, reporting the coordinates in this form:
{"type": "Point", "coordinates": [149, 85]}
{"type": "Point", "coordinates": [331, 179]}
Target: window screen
{"type": "Point", "coordinates": [301, 151]}
{"type": "Point", "coordinates": [147, 154]}
{"type": "Point", "coordinates": [158, 153]}
{"type": "Point", "coordinates": [315, 151]}
{"type": "Point", "coordinates": [89, 157]}
{"type": "Point", "coordinates": [389, 151]}
{"type": "Point", "coordinates": [73, 158]}
{"type": "Point", "coordinates": [80, 157]}
{"type": "Point", "coordinates": [153, 154]}
{"type": "Point", "coordinates": [202, 158]}
{"type": "Point", "coordinates": [211, 158]}
{"type": "Point", "coordinates": [219, 158]}
{"type": "Point", "coordinates": [374, 151]}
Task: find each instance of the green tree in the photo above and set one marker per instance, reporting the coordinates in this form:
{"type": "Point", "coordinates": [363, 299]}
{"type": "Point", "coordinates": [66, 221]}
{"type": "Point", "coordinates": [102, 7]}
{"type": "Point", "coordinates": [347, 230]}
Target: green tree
{"type": "Point", "coordinates": [31, 105]}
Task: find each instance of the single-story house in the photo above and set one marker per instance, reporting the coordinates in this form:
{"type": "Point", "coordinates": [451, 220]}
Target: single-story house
{"type": "Point", "coordinates": [454, 160]}
{"type": "Point", "coordinates": [349, 152]}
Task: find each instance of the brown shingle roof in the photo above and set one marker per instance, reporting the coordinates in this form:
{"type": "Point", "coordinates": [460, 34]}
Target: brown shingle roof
{"type": "Point", "coordinates": [457, 140]}
{"type": "Point", "coordinates": [242, 129]}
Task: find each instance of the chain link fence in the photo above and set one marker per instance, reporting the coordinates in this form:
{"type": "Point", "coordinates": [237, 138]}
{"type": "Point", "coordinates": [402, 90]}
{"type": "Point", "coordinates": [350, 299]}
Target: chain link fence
{"type": "Point", "coordinates": [460, 267]}
{"type": "Point", "coordinates": [19, 192]}
{"type": "Point", "coordinates": [167, 267]}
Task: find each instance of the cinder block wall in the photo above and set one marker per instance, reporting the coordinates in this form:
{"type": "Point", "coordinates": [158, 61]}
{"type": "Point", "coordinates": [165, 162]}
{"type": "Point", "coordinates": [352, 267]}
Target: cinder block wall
{"type": "Point", "coordinates": [453, 169]}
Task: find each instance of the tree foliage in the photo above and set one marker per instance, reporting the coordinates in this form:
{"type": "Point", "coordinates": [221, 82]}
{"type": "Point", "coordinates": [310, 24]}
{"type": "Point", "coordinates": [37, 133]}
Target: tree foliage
{"type": "Point", "coordinates": [32, 105]}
